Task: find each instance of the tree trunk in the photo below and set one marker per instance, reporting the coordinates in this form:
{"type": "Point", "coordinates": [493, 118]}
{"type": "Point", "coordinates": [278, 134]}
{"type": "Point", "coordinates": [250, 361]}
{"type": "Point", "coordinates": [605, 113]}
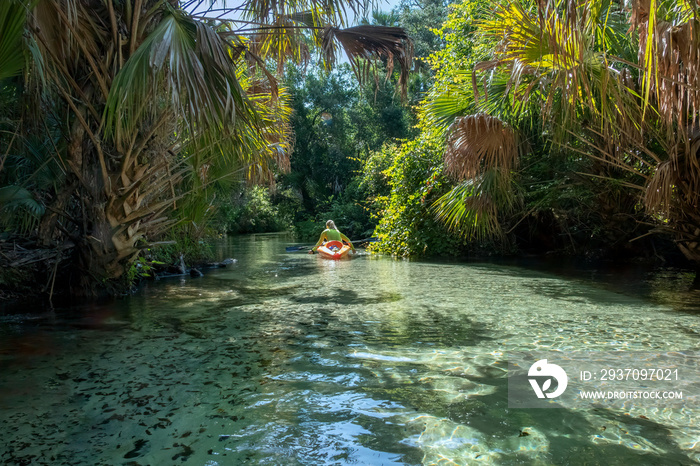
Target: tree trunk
{"type": "Point", "coordinates": [689, 243]}
{"type": "Point", "coordinates": [48, 226]}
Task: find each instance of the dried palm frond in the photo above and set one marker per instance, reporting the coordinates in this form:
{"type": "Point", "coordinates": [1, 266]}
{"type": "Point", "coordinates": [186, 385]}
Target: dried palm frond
{"type": "Point", "coordinates": [481, 152]}
{"type": "Point", "coordinates": [366, 45]}
{"type": "Point", "coordinates": [669, 53]}
{"type": "Point", "coordinates": [659, 191]}
{"type": "Point", "coordinates": [673, 195]}
{"type": "Point", "coordinates": [477, 143]}
{"type": "Point", "coordinates": [283, 40]}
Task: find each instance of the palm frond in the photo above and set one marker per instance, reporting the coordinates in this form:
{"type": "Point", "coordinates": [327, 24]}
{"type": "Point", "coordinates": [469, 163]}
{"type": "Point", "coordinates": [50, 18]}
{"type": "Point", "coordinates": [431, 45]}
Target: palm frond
{"type": "Point", "coordinates": [12, 20]}
{"type": "Point", "coordinates": [482, 152]}
{"type": "Point", "coordinates": [194, 65]}
{"type": "Point", "coordinates": [19, 209]}
{"type": "Point", "coordinates": [447, 101]}
{"type": "Point", "coordinates": [250, 152]}
{"type": "Point", "coordinates": [473, 208]}
{"type": "Point", "coordinates": [477, 143]}
{"type": "Point", "coordinates": [16, 196]}
{"type": "Point", "coordinates": [366, 45]}
{"type": "Point", "coordinates": [323, 11]}
{"type": "Point", "coordinates": [285, 40]}
{"type": "Point", "coordinates": [550, 53]}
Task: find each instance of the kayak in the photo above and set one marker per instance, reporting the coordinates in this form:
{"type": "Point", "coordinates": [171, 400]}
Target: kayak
{"type": "Point", "coordinates": [334, 250]}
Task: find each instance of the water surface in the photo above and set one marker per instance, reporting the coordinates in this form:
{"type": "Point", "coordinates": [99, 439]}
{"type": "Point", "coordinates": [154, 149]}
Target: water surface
{"type": "Point", "coordinates": [285, 358]}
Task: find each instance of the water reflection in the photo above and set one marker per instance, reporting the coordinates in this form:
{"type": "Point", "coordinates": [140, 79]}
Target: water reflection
{"type": "Point", "coordinates": [284, 358]}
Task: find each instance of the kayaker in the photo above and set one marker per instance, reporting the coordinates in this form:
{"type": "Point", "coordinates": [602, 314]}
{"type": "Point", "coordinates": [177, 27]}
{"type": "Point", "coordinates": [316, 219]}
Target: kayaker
{"type": "Point", "coordinates": [331, 233]}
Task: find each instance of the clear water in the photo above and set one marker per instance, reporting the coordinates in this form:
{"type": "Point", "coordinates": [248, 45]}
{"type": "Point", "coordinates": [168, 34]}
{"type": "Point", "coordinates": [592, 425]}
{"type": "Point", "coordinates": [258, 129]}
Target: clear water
{"type": "Point", "coordinates": [286, 358]}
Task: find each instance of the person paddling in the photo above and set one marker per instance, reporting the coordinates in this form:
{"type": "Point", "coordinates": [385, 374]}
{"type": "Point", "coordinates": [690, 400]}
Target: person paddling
{"type": "Point", "coordinates": [331, 233]}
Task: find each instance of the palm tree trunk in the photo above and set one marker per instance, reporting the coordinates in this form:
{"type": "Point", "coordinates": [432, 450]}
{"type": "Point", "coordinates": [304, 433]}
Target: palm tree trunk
{"type": "Point", "coordinates": [59, 207]}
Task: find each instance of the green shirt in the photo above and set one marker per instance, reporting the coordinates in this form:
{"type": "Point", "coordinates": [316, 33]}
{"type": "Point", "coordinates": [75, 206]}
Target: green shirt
{"type": "Point", "coordinates": [332, 235]}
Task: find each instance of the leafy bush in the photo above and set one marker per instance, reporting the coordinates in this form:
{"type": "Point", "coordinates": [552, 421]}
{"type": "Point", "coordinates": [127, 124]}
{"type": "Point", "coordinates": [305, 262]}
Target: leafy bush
{"type": "Point", "coordinates": [351, 216]}
{"type": "Point", "coordinates": [308, 230]}
{"type": "Point", "coordinates": [407, 226]}
{"type": "Point", "coordinates": [175, 243]}
{"type": "Point", "coordinates": [252, 211]}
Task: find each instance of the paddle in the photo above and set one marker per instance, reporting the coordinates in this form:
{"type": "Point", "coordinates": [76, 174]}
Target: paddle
{"type": "Point", "coordinates": [306, 248]}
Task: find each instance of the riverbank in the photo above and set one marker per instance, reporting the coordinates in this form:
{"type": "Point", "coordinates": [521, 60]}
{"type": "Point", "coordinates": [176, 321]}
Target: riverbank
{"type": "Point", "coordinates": [35, 275]}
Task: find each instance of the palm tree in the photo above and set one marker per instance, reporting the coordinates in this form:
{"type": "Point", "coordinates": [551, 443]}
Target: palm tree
{"type": "Point", "coordinates": [154, 104]}
{"type": "Point", "coordinates": [628, 105]}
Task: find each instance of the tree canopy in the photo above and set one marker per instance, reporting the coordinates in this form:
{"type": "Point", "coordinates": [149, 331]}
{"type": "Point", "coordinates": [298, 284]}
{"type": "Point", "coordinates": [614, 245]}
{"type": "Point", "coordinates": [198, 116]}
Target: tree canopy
{"type": "Point", "coordinates": [543, 102]}
{"type": "Point", "coordinates": [140, 107]}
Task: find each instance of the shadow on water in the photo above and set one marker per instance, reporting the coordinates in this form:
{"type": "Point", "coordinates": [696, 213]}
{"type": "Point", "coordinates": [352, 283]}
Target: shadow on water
{"type": "Point", "coordinates": [343, 296]}
{"type": "Point", "coordinates": [555, 436]}
{"type": "Point", "coordinates": [674, 286]}
{"type": "Point", "coordinates": [255, 364]}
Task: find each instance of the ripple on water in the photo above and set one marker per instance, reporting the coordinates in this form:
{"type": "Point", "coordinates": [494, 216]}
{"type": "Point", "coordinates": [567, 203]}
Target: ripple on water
{"type": "Point", "coordinates": [288, 359]}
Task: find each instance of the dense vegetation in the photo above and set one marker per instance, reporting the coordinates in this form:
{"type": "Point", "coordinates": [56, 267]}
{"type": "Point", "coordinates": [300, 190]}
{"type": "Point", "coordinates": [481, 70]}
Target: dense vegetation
{"type": "Point", "coordinates": [568, 127]}
{"type": "Point", "coordinates": [553, 127]}
{"type": "Point", "coordinates": [123, 121]}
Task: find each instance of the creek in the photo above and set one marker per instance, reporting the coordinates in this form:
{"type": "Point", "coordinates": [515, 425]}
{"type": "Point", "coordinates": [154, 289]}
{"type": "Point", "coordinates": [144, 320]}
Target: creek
{"type": "Point", "coordinates": [286, 358]}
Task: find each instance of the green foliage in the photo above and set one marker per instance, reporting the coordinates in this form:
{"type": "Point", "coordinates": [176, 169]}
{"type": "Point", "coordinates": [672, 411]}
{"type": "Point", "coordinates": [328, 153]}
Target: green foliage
{"type": "Point", "coordinates": [458, 211]}
{"type": "Point", "coordinates": [338, 124]}
{"type": "Point", "coordinates": [407, 226]}
{"type": "Point", "coordinates": [148, 109]}
{"type": "Point", "coordinates": [31, 164]}
{"type": "Point", "coordinates": [541, 200]}
{"type": "Point", "coordinates": [18, 279]}
{"type": "Point", "coordinates": [252, 211]}
{"type": "Point", "coordinates": [570, 212]}
{"type": "Point", "coordinates": [19, 209]}
{"type": "Point", "coordinates": [463, 46]}
{"type": "Point", "coordinates": [140, 268]}
{"type": "Point", "coordinates": [418, 18]}
{"type": "Point", "coordinates": [349, 212]}
{"type": "Point", "coordinates": [308, 230]}
{"type": "Point", "coordinates": [375, 179]}
{"type": "Point", "coordinates": [193, 251]}
{"type": "Point", "coordinates": [12, 18]}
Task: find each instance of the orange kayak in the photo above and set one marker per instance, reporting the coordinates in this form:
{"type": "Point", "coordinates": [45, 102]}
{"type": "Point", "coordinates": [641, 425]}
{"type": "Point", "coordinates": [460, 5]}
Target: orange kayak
{"type": "Point", "coordinates": [334, 250]}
